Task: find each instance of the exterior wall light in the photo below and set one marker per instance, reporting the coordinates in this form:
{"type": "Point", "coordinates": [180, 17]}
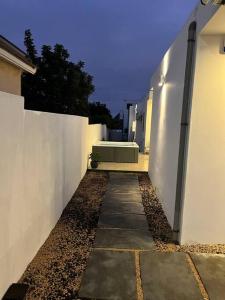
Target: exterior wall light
{"type": "Point", "coordinates": [215, 2]}
{"type": "Point", "coordinates": [162, 80]}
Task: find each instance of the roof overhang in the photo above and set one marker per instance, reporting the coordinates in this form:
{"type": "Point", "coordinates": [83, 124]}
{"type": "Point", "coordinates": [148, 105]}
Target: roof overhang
{"type": "Point", "coordinates": [5, 55]}
{"type": "Point", "coordinates": [216, 24]}
{"type": "Point", "coordinates": [15, 56]}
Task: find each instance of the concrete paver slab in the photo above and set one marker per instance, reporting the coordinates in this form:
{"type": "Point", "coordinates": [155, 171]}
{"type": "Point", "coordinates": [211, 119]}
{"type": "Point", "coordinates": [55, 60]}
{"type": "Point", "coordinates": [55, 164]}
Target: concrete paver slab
{"type": "Point", "coordinates": [122, 189]}
{"type": "Point", "coordinates": [212, 272]}
{"type": "Point", "coordinates": [133, 185]}
{"type": "Point", "coordinates": [167, 276]}
{"type": "Point", "coordinates": [128, 221]}
{"type": "Point", "coordinates": [121, 175]}
{"type": "Point", "coordinates": [112, 197]}
{"type": "Point", "coordinates": [109, 275]}
{"type": "Point", "coordinates": [119, 207]}
{"type": "Point", "coordinates": [123, 239]}
{"type": "Point", "coordinates": [128, 181]}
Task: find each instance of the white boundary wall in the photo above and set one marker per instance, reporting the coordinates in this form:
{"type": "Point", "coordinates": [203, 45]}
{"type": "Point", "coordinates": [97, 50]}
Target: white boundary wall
{"type": "Point", "coordinates": [43, 158]}
{"type": "Point", "coordinates": [204, 203]}
{"type": "Point", "coordinates": [165, 129]}
{"type": "Point", "coordinates": [168, 85]}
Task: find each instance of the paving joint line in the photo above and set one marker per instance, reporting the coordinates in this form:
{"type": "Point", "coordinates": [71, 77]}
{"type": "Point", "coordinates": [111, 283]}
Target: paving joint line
{"type": "Point", "coordinates": [140, 295]}
{"type": "Point", "coordinates": [131, 229]}
{"type": "Point", "coordinates": [121, 250]}
{"type": "Point", "coordinates": [197, 277]}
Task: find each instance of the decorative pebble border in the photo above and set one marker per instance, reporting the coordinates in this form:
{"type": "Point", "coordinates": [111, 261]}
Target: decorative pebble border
{"type": "Point", "coordinates": [159, 226]}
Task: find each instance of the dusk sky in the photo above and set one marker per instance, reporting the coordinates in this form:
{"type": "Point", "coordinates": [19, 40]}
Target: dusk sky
{"type": "Point", "coordinates": [121, 41]}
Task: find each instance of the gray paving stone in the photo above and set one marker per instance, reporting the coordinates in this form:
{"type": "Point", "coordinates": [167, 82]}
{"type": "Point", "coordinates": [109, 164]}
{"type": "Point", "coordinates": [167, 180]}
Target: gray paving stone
{"type": "Point", "coordinates": [124, 239]}
{"type": "Point", "coordinates": [109, 275]}
{"type": "Point", "coordinates": [127, 221]}
{"type": "Point", "coordinates": [123, 189]}
{"type": "Point", "coordinates": [123, 180]}
{"type": "Point", "coordinates": [117, 207]}
{"type": "Point", "coordinates": [120, 175]}
{"type": "Point", "coordinates": [167, 276]}
{"type": "Point", "coordinates": [122, 197]}
{"type": "Point", "coordinates": [212, 272]}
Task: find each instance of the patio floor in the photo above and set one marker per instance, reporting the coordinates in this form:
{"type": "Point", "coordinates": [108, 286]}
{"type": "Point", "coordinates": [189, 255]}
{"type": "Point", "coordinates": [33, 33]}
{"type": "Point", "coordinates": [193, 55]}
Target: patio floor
{"type": "Point", "coordinates": [141, 166]}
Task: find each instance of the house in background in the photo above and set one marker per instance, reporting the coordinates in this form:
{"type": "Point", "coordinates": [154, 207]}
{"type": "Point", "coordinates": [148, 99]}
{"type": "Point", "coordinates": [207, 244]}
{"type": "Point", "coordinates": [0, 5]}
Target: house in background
{"type": "Point", "coordinates": [143, 123]}
{"type": "Point", "coordinates": [188, 129]}
{"type": "Point", "coordinates": [13, 63]}
{"type": "Point", "coordinates": [132, 112]}
{"type": "Point", "coordinates": [129, 120]}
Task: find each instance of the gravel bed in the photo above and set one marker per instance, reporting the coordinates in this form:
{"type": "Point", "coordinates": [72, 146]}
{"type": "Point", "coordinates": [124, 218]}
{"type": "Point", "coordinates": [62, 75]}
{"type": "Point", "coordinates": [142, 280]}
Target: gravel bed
{"type": "Point", "coordinates": [159, 226]}
{"type": "Point", "coordinates": [56, 270]}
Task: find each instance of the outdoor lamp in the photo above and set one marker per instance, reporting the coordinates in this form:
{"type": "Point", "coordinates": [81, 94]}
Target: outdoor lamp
{"type": "Point", "coordinates": [215, 2]}
{"type": "Point", "coordinates": [162, 80]}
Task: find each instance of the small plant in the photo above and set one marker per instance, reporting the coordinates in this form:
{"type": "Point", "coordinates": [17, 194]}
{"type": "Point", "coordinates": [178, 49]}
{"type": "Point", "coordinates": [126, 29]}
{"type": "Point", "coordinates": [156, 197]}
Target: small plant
{"type": "Point", "coordinates": [94, 160]}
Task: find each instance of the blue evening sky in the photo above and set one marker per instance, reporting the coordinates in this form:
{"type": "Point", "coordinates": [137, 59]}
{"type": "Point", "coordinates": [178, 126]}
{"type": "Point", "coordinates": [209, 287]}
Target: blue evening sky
{"type": "Point", "coordinates": [121, 41]}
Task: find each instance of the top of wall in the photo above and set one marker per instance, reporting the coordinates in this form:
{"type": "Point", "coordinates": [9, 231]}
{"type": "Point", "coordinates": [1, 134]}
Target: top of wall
{"type": "Point", "coordinates": [13, 55]}
{"type": "Point", "coordinates": [202, 15]}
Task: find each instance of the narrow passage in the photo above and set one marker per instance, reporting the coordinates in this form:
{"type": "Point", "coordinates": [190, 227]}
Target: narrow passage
{"type": "Point", "coordinates": [123, 264]}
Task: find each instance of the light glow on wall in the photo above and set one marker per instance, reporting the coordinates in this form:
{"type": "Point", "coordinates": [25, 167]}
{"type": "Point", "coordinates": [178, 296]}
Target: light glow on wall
{"type": "Point", "coordinates": [164, 69]}
{"type": "Point", "coordinates": [162, 81]}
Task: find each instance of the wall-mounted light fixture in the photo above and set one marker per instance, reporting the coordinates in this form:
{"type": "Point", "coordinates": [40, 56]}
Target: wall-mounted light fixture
{"type": "Point", "coordinates": [214, 2]}
{"type": "Point", "coordinates": [162, 80]}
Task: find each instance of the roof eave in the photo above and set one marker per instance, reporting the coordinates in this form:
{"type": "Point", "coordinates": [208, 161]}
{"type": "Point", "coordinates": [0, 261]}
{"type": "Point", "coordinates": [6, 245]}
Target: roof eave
{"type": "Point", "coordinates": [17, 62]}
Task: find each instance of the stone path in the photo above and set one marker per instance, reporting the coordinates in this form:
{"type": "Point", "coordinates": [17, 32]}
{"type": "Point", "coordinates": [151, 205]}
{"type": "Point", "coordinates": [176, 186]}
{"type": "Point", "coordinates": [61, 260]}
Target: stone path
{"type": "Point", "coordinates": [211, 269]}
{"type": "Point", "coordinates": [123, 264]}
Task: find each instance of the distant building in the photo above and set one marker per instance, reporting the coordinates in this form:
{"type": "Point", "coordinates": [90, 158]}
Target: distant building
{"type": "Point", "coordinates": [143, 123]}
{"type": "Point", "coordinates": [129, 119]}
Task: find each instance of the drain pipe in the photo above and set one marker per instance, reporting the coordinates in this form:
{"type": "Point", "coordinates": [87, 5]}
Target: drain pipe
{"type": "Point", "coordinates": [184, 130]}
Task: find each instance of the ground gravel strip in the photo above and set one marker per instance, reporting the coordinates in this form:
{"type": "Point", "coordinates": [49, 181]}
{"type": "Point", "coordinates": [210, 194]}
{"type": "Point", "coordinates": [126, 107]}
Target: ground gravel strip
{"type": "Point", "coordinates": [56, 270]}
{"type": "Point", "coordinates": [159, 226]}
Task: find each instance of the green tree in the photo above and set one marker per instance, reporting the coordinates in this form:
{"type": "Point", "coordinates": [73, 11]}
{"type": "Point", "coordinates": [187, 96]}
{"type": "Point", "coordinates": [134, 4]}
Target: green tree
{"type": "Point", "coordinates": [30, 47]}
{"type": "Point", "coordinates": [59, 85]}
{"type": "Point", "coordinates": [99, 114]}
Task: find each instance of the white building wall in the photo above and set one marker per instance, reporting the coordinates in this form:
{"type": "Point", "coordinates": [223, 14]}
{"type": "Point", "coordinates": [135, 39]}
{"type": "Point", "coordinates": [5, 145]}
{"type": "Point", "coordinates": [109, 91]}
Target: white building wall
{"type": "Point", "coordinates": [43, 158]}
{"type": "Point", "coordinates": [148, 121]}
{"type": "Point", "coordinates": [165, 129]}
{"type": "Point", "coordinates": [204, 202]}
{"type": "Point", "coordinates": [168, 84]}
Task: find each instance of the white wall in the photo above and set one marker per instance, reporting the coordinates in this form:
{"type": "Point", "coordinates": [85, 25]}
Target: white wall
{"type": "Point", "coordinates": [168, 84]}
{"type": "Point", "coordinates": [165, 128]}
{"type": "Point", "coordinates": [148, 121]}
{"type": "Point", "coordinates": [43, 157]}
{"type": "Point", "coordinates": [204, 202]}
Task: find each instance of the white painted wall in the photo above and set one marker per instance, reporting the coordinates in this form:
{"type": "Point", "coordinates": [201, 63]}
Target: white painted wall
{"type": "Point", "coordinates": [148, 121]}
{"type": "Point", "coordinates": [165, 129]}
{"type": "Point", "coordinates": [43, 157]}
{"type": "Point", "coordinates": [166, 113]}
{"type": "Point", "coordinates": [204, 202]}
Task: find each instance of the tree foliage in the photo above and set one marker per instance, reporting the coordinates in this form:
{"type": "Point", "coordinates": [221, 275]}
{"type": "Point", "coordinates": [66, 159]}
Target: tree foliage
{"type": "Point", "coordinates": [100, 114]}
{"type": "Point", "coordinates": [59, 85]}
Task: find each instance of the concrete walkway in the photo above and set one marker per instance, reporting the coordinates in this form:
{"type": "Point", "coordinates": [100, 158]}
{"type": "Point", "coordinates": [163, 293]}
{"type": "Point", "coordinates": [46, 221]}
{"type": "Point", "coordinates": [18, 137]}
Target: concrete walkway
{"type": "Point", "coordinates": [123, 264]}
